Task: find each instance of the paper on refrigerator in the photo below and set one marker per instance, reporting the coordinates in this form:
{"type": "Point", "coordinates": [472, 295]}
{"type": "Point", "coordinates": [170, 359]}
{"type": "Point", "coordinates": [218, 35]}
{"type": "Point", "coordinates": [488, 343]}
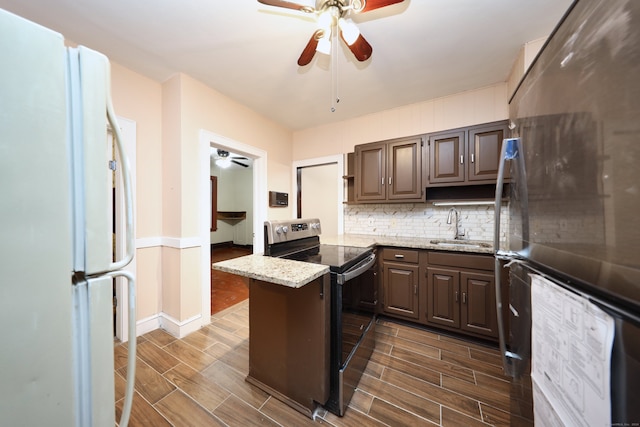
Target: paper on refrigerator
{"type": "Point", "coordinates": [571, 343]}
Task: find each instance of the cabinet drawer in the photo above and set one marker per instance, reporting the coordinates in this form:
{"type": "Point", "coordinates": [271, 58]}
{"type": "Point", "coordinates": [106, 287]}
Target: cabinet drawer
{"type": "Point", "coordinates": [402, 255]}
{"type": "Point", "coordinates": [476, 262]}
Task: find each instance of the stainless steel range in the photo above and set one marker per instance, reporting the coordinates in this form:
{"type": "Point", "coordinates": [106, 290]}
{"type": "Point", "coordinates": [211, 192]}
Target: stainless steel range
{"type": "Point", "coordinates": [353, 299]}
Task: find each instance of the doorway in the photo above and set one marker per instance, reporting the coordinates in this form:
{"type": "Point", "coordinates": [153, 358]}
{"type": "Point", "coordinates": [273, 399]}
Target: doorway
{"type": "Point", "coordinates": [317, 198]}
{"type": "Point", "coordinates": [232, 223]}
{"type": "Point", "coordinates": [320, 192]}
{"type": "Point", "coordinates": [208, 140]}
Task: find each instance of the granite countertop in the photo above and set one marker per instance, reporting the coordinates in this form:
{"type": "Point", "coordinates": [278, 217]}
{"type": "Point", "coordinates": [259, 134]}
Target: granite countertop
{"type": "Point", "coordinates": [365, 241]}
{"type": "Point", "coordinates": [294, 274]}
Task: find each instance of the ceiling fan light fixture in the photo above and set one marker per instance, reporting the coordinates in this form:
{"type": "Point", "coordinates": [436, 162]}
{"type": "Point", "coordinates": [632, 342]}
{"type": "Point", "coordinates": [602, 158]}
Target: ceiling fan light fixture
{"type": "Point", "coordinates": [349, 30]}
{"type": "Point", "coordinates": [224, 162]}
{"type": "Point", "coordinates": [325, 20]}
{"type": "Point", "coordinates": [324, 43]}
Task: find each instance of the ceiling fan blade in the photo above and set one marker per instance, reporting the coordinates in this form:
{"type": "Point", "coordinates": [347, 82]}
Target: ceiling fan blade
{"type": "Point", "coordinates": [376, 4]}
{"type": "Point", "coordinates": [310, 49]}
{"type": "Point", "coordinates": [238, 163]}
{"type": "Point", "coordinates": [361, 48]}
{"type": "Point", "coordinates": [239, 158]}
{"type": "Point", "coordinates": [288, 5]}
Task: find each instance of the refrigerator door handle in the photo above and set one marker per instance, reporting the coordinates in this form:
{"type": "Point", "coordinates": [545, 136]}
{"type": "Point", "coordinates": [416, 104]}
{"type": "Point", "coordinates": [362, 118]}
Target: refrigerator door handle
{"type": "Point", "coordinates": [131, 355]}
{"type": "Point", "coordinates": [126, 179]}
{"type": "Point", "coordinates": [508, 151]}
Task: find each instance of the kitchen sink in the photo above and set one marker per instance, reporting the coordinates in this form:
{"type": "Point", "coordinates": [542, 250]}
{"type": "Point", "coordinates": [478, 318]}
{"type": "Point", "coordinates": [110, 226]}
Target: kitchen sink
{"type": "Point", "coordinates": [461, 243]}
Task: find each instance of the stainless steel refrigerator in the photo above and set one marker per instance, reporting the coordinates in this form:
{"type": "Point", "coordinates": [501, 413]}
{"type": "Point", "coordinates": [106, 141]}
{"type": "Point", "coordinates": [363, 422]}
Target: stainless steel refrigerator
{"type": "Point", "coordinates": [56, 257]}
{"type": "Point", "coordinates": [570, 315]}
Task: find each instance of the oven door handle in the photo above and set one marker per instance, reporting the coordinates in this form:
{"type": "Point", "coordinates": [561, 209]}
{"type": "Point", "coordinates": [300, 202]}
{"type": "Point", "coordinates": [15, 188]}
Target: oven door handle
{"type": "Point", "coordinates": [357, 270]}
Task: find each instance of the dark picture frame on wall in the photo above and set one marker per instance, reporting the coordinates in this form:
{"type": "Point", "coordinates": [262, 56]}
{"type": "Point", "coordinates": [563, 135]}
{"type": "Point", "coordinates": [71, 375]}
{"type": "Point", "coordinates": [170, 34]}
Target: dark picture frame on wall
{"type": "Point", "coordinates": [214, 203]}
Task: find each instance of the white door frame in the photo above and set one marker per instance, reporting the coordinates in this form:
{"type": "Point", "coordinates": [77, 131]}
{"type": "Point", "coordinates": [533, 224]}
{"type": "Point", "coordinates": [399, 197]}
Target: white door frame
{"type": "Point", "coordinates": [339, 159]}
{"type": "Point", "coordinates": [260, 203]}
{"type": "Point", "coordinates": [128, 131]}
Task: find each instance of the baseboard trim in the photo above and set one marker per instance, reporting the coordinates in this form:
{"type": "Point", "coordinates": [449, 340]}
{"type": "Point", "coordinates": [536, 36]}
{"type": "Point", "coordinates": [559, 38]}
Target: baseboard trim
{"type": "Point", "coordinates": [169, 324]}
{"type": "Point", "coordinates": [147, 325]}
{"type": "Point", "coordinates": [180, 329]}
{"type": "Point", "coordinates": [170, 242]}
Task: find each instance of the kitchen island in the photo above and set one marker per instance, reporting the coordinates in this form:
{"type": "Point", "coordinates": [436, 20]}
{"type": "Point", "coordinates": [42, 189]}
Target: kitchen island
{"type": "Point", "coordinates": [289, 328]}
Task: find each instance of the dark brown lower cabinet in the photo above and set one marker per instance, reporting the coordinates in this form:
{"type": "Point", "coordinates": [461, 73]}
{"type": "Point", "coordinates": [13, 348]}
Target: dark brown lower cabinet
{"type": "Point", "coordinates": [401, 289]}
{"type": "Point", "coordinates": [400, 277]}
{"type": "Point", "coordinates": [460, 298]}
{"type": "Point", "coordinates": [478, 309]}
{"type": "Point", "coordinates": [444, 289]}
{"type": "Point", "coordinates": [443, 297]}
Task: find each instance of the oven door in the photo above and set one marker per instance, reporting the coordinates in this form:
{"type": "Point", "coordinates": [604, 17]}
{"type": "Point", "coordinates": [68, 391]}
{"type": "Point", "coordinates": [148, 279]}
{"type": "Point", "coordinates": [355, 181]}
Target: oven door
{"type": "Point", "coordinates": [353, 322]}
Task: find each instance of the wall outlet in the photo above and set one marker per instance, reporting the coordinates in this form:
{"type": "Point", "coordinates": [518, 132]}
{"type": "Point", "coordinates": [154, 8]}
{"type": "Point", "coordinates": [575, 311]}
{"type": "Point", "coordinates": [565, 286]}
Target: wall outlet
{"type": "Point", "coordinates": [393, 223]}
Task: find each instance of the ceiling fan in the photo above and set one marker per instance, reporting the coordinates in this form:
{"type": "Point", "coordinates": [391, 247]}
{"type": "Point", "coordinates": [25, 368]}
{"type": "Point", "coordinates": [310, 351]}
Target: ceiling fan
{"type": "Point", "coordinates": [334, 14]}
{"type": "Point", "coordinates": [224, 160]}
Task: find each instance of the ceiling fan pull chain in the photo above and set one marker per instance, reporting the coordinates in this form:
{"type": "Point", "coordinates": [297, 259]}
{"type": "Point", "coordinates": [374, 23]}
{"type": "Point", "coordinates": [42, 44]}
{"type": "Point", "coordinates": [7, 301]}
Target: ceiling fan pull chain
{"type": "Point", "coordinates": [334, 71]}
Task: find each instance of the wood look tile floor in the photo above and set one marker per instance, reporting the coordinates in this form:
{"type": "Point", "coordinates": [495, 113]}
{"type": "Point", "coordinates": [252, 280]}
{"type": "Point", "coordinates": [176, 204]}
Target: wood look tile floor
{"type": "Point", "coordinates": [415, 377]}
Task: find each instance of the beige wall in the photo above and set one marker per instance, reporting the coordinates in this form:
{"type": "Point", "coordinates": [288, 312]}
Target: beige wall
{"type": "Point", "coordinates": [140, 99]}
{"type": "Point", "coordinates": [467, 108]}
{"type": "Point", "coordinates": [527, 54]}
{"type": "Point", "coordinates": [188, 107]}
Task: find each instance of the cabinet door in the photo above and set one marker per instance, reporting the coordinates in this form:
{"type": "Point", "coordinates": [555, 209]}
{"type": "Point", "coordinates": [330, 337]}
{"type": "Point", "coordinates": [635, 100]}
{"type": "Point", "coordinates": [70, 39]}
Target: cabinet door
{"type": "Point", "coordinates": [478, 303]}
{"type": "Point", "coordinates": [443, 290]}
{"type": "Point", "coordinates": [401, 289]}
{"type": "Point", "coordinates": [371, 172]}
{"type": "Point", "coordinates": [446, 157]}
{"type": "Point", "coordinates": [405, 169]}
{"type": "Point", "coordinates": [485, 143]}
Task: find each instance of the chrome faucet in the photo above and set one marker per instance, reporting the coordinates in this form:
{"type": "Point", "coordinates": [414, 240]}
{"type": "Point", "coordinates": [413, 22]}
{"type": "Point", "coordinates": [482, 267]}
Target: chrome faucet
{"type": "Point", "coordinates": [458, 234]}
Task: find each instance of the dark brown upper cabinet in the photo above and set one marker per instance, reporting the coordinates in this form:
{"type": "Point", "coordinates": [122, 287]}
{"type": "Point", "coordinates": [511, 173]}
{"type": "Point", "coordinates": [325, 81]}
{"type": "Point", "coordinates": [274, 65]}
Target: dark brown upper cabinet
{"type": "Point", "coordinates": [389, 171]}
{"type": "Point", "coordinates": [446, 157]}
{"type": "Point", "coordinates": [466, 156]}
{"type": "Point", "coordinates": [485, 143]}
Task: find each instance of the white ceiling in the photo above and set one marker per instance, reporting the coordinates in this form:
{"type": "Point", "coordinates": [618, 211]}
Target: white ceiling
{"type": "Point", "coordinates": [422, 49]}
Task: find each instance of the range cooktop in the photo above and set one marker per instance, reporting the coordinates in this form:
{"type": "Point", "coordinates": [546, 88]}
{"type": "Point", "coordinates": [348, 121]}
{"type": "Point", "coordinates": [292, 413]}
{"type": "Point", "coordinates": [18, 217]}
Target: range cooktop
{"type": "Point", "coordinates": [338, 258]}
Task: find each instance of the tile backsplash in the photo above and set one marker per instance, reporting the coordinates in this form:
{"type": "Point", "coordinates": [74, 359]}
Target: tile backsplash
{"type": "Point", "coordinates": [421, 220]}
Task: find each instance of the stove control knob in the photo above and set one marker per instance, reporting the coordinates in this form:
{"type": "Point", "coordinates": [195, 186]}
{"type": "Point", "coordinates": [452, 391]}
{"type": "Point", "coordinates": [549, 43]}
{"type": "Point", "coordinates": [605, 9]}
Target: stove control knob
{"type": "Point", "coordinates": [315, 225]}
{"type": "Point", "coordinates": [282, 230]}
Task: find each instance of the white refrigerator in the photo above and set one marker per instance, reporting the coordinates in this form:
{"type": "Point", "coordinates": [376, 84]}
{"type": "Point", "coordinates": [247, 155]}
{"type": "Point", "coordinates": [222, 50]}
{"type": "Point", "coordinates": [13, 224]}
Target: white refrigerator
{"type": "Point", "coordinates": [56, 239]}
